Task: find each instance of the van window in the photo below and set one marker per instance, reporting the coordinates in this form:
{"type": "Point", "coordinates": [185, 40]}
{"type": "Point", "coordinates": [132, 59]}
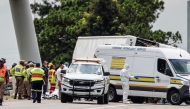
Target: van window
{"type": "Point", "coordinates": [163, 67]}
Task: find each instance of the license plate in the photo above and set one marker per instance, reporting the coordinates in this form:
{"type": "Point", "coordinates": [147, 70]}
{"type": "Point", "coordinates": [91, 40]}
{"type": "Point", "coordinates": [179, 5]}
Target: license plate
{"type": "Point", "coordinates": [81, 87]}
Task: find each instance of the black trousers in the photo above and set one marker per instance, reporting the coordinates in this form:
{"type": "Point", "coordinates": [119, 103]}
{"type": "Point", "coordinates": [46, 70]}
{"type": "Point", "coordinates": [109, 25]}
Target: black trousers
{"type": "Point", "coordinates": [37, 88]}
{"type": "Point", "coordinates": [45, 86]}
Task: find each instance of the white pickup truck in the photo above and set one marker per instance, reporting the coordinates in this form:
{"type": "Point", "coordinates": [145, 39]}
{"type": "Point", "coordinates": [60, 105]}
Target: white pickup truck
{"type": "Point", "coordinates": [86, 78]}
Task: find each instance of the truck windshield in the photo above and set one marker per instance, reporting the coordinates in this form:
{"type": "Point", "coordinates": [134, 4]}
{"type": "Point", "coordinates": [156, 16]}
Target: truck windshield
{"type": "Point", "coordinates": [181, 66]}
{"type": "Point", "coordinates": [85, 69]}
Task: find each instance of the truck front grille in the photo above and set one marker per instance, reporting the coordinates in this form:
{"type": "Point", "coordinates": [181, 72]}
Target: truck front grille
{"type": "Point", "coordinates": [81, 83]}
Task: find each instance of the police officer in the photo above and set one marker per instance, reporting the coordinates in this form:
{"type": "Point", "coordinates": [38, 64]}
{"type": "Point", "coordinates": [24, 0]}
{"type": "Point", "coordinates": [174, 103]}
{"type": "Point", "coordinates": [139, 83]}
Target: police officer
{"type": "Point", "coordinates": [37, 77]}
{"type": "Point", "coordinates": [18, 72]}
{"type": "Point", "coordinates": [4, 79]}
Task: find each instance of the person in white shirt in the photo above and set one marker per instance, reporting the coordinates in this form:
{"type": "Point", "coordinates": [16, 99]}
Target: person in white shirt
{"type": "Point", "coordinates": [59, 76]}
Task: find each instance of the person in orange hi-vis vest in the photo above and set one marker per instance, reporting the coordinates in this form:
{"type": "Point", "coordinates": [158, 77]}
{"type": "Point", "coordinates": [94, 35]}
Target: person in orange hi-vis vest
{"type": "Point", "coordinates": [4, 79]}
{"type": "Point", "coordinates": [52, 78]}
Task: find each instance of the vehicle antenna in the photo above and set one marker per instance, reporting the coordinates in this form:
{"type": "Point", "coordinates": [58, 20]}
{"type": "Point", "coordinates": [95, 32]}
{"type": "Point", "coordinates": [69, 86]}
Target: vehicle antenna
{"type": "Point", "coordinates": [180, 50]}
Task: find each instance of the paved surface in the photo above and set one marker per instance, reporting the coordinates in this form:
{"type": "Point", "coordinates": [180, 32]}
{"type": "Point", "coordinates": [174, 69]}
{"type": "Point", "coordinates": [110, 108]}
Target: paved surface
{"type": "Point", "coordinates": [56, 104]}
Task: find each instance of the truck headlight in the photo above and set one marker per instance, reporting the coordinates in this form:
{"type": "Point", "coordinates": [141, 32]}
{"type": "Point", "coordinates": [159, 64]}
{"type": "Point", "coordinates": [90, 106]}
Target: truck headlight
{"type": "Point", "coordinates": [185, 83]}
{"type": "Point", "coordinates": [65, 80]}
{"type": "Point", "coordinates": [99, 82]}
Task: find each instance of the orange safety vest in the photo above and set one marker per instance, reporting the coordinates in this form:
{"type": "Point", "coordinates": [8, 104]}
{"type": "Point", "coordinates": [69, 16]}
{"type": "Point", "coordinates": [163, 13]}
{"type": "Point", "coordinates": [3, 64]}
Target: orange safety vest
{"type": "Point", "coordinates": [3, 72]}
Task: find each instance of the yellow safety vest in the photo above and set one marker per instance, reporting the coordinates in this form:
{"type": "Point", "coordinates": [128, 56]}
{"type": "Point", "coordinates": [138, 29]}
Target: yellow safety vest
{"type": "Point", "coordinates": [27, 73]}
{"type": "Point", "coordinates": [52, 78]}
{"type": "Point", "coordinates": [18, 70]}
{"type": "Point", "coordinates": [37, 74]}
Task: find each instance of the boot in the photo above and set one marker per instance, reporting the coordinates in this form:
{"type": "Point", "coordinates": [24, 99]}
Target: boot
{"type": "Point", "coordinates": [15, 96]}
{"type": "Point", "coordinates": [1, 102]}
{"type": "Point", "coordinates": [29, 97]}
{"type": "Point", "coordinates": [19, 96]}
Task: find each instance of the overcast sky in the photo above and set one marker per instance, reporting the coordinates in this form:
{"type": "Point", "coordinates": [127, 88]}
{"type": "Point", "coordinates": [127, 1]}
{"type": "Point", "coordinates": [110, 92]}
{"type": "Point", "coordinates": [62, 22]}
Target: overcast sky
{"type": "Point", "coordinates": [174, 18]}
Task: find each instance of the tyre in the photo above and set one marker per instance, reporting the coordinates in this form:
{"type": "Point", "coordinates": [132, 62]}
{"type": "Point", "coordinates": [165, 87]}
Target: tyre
{"type": "Point", "coordinates": [113, 97]}
{"type": "Point", "coordinates": [137, 99]}
{"type": "Point", "coordinates": [64, 98]}
{"type": "Point", "coordinates": [187, 101]}
{"type": "Point", "coordinates": [106, 98]}
{"type": "Point", "coordinates": [70, 99]}
{"type": "Point", "coordinates": [100, 100]}
{"type": "Point", "coordinates": [174, 98]}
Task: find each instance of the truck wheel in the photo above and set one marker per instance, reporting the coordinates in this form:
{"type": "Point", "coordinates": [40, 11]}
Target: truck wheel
{"type": "Point", "coordinates": [63, 98]}
{"type": "Point", "coordinates": [137, 99]}
{"type": "Point", "coordinates": [100, 100]}
{"type": "Point", "coordinates": [174, 98]}
{"type": "Point", "coordinates": [113, 97]}
{"type": "Point", "coordinates": [70, 99]}
{"type": "Point", "coordinates": [106, 98]}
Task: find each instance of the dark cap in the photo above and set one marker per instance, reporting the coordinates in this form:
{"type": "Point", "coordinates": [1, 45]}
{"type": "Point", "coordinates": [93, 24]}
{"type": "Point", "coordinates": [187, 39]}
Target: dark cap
{"type": "Point", "coordinates": [37, 64]}
{"type": "Point", "coordinates": [1, 60]}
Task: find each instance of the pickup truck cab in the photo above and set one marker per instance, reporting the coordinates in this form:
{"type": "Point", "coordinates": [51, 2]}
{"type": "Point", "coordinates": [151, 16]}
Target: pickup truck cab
{"type": "Point", "coordinates": [86, 78]}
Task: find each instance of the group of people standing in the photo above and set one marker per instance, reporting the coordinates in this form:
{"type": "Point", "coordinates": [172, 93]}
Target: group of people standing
{"type": "Point", "coordinates": [31, 79]}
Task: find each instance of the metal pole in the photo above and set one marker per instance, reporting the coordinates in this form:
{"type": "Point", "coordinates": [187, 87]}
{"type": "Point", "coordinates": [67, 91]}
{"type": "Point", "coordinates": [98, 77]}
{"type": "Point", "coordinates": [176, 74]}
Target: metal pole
{"type": "Point", "coordinates": [188, 26]}
{"type": "Point", "coordinates": [24, 30]}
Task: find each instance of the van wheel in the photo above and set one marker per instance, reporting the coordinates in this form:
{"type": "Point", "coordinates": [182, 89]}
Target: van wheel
{"type": "Point", "coordinates": [100, 100]}
{"type": "Point", "coordinates": [187, 101]}
{"type": "Point", "coordinates": [106, 98]}
{"type": "Point", "coordinates": [113, 97]}
{"type": "Point", "coordinates": [137, 99]}
{"type": "Point", "coordinates": [174, 98]}
{"type": "Point", "coordinates": [70, 99]}
{"type": "Point", "coordinates": [63, 98]}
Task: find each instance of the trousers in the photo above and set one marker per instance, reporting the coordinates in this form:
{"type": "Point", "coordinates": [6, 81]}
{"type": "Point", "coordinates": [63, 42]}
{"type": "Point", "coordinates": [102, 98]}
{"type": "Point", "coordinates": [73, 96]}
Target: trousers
{"type": "Point", "coordinates": [125, 87]}
{"type": "Point", "coordinates": [19, 84]}
{"type": "Point", "coordinates": [27, 89]}
{"type": "Point", "coordinates": [37, 89]}
{"type": "Point", "coordinates": [52, 87]}
{"type": "Point", "coordinates": [2, 88]}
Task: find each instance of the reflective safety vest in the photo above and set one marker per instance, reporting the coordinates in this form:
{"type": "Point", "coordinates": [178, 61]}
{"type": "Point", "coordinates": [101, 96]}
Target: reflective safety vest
{"type": "Point", "coordinates": [19, 69]}
{"type": "Point", "coordinates": [52, 78]}
{"type": "Point", "coordinates": [3, 72]}
{"type": "Point", "coordinates": [37, 74]}
{"type": "Point", "coordinates": [27, 73]}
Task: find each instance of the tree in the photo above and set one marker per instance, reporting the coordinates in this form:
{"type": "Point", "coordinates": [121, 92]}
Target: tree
{"type": "Point", "coordinates": [73, 18]}
{"type": "Point", "coordinates": [56, 20]}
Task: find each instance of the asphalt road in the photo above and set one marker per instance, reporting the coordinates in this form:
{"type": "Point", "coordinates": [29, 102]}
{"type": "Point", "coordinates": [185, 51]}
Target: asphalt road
{"type": "Point", "coordinates": [56, 104]}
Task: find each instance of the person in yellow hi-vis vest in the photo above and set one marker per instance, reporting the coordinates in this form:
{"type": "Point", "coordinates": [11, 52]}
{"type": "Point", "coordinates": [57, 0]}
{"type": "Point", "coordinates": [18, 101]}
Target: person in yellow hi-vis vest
{"type": "Point", "coordinates": [18, 73]}
{"type": "Point", "coordinates": [52, 78]}
{"type": "Point", "coordinates": [37, 77]}
{"type": "Point", "coordinates": [12, 69]}
{"type": "Point", "coordinates": [27, 86]}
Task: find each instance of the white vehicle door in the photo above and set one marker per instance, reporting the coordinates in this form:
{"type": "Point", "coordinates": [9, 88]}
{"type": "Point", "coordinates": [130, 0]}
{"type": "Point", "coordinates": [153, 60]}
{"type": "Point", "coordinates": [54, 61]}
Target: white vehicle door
{"type": "Point", "coordinates": [162, 80]}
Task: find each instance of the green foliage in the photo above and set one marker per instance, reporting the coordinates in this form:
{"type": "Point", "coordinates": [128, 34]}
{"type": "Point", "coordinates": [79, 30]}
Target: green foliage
{"type": "Point", "coordinates": [73, 18]}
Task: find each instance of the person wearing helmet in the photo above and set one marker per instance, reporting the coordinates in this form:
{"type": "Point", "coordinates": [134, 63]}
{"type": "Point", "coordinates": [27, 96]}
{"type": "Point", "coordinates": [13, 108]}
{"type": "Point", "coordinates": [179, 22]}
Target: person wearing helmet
{"type": "Point", "coordinates": [66, 65]}
{"type": "Point", "coordinates": [125, 75]}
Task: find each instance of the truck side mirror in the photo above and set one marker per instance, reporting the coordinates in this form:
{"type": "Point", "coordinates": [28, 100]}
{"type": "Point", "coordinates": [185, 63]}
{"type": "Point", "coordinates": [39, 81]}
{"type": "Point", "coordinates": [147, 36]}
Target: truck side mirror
{"type": "Point", "coordinates": [106, 73]}
{"type": "Point", "coordinates": [169, 72]}
{"type": "Point", "coordinates": [63, 71]}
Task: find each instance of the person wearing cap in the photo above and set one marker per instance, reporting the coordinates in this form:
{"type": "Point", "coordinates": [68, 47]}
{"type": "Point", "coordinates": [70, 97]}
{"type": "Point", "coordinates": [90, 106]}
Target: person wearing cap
{"type": "Point", "coordinates": [12, 69]}
{"type": "Point", "coordinates": [59, 76]}
{"type": "Point", "coordinates": [45, 68]}
{"type": "Point", "coordinates": [26, 90]}
{"type": "Point", "coordinates": [4, 60]}
{"type": "Point", "coordinates": [18, 73]}
{"type": "Point", "coordinates": [37, 76]}
{"type": "Point", "coordinates": [4, 80]}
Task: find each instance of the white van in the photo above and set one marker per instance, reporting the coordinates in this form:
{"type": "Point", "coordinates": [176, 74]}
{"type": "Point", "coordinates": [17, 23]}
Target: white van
{"type": "Point", "coordinates": [162, 72]}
